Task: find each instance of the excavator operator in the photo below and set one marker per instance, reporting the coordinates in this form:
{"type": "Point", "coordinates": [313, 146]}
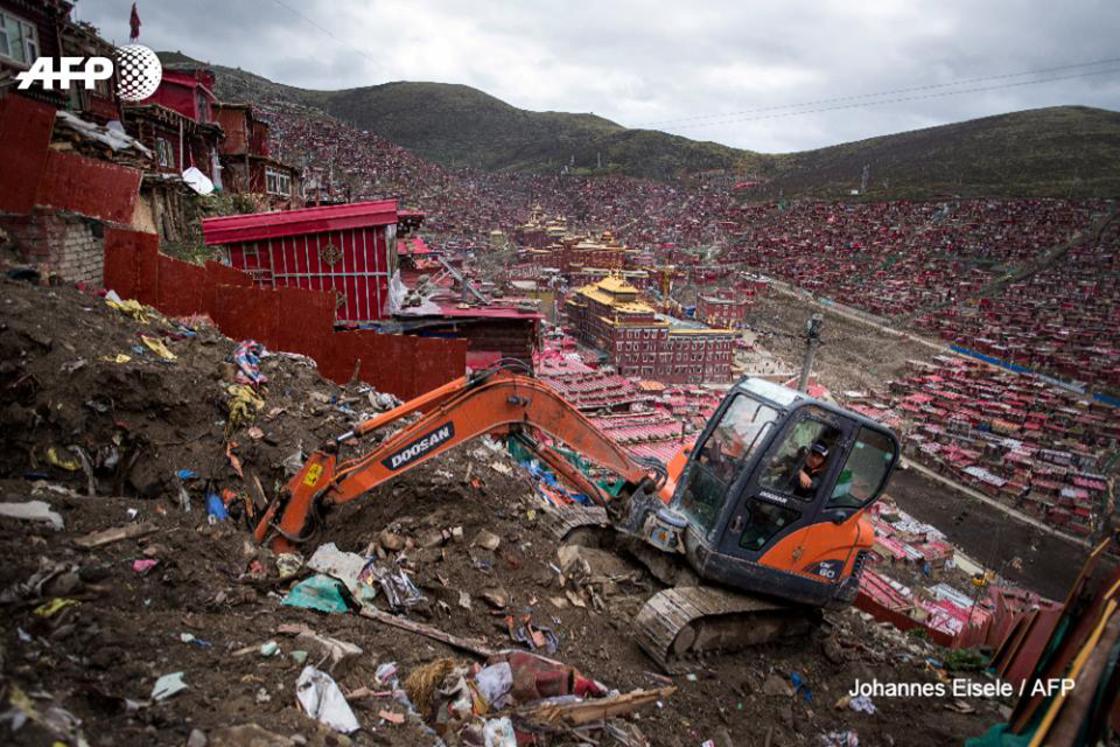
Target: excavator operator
{"type": "Point", "coordinates": [802, 471]}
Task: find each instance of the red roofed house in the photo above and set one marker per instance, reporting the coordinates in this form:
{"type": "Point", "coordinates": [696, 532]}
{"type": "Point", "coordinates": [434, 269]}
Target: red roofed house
{"type": "Point", "coordinates": [349, 249]}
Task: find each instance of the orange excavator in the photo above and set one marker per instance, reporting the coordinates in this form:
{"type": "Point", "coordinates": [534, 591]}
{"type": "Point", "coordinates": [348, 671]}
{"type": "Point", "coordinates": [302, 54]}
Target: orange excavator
{"type": "Point", "coordinates": [764, 514]}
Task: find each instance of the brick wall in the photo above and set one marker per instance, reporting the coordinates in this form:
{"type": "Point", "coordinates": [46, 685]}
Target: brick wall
{"type": "Point", "coordinates": [67, 245]}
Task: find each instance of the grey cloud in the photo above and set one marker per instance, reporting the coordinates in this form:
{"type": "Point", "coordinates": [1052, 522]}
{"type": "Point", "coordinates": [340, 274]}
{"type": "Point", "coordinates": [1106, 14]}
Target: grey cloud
{"type": "Point", "coordinates": [660, 62]}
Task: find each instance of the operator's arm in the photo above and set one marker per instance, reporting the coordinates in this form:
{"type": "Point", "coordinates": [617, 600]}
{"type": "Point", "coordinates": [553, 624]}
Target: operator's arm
{"type": "Point", "coordinates": [808, 481]}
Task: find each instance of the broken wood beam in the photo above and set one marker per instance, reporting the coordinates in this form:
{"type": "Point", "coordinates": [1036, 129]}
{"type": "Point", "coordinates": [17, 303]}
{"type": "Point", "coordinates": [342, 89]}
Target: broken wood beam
{"type": "Point", "coordinates": [597, 709]}
{"type": "Point", "coordinates": [116, 534]}
{"type": "Point", "coordinates": [470, 645]}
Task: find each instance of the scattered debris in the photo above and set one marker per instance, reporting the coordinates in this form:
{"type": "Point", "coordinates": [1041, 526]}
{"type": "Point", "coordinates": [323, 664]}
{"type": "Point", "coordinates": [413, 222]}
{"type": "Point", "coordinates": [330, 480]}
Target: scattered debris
{"type": "Point", "coordinates": [323, 701]}
{"type": "Point", "coordinates": [479, 648]}
{"type": "Point", "coordinates": [32, 511]}
{"type": "Point", "coordinates": [332, 651]}
{"type": "Point", "coordinates": [116, 534]}
{"type": "Point", "coordinates": [487, 540]}
{"type": "Point", "coordinates": [247, 355]}
{"type": "Point", "coordinates": [318, 592]}
{"type": "Point", "coordinates": [144, 565]}
{"type": "Point", "coordinates": [168, 685]}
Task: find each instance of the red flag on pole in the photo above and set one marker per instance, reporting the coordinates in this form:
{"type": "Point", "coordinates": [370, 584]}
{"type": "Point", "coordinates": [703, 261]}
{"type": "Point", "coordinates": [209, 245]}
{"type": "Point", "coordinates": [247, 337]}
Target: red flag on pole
{"type": "Point", "coordinates": [134, 24]}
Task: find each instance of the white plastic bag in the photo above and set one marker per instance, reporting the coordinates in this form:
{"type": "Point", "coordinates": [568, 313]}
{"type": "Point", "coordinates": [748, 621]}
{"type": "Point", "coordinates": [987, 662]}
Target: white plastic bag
{"type": "Point", "coordinates": [323, 701]}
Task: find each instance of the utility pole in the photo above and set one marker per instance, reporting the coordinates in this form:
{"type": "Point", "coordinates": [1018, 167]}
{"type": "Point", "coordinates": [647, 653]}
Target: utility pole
{"type": "Point", "coordinates": [812, 340]}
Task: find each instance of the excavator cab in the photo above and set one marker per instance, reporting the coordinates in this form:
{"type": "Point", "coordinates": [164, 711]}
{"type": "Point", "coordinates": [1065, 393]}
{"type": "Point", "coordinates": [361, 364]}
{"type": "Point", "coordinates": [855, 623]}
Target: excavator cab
{"type": "Point", "coordinates": [772, 497]}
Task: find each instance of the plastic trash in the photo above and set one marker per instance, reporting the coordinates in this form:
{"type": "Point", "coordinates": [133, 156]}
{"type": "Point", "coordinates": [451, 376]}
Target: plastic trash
{"type": "Point", "coordinates": [324, 702]}
{"type": "Point", "coordinates": [196, 180]}
{"type": "Point", "coordinates": [158, 347]}
{"type": "Point", "coordinates": [498, 732]}
{"type": "Point", "coordinates": [386, 674]}
{"type": "Point", "coordinates": [801, 687]}
{"type": "Point", "coordinates": [248, 356]}
{"type": "Point", "coordinates": [288, 564]}
{"type": "Point", "coordinates": [168, 685]}
{"type": "Point", "coordinates": [215, 508]}
{"type": "Point", "coordinates": [144, 565]}
{"type": "Point", "coordinates": [184, 497]}
{"type": "Point", "coordinates": [862, 704]}
{"type": "Point", "coordinates": [55, 457]}
{"type": "Point", "coordinates": [32, 511]}
{"type": "Point", "coordinates": [400, 591]}
{"type": "Point", "coordinates": [839, 739]}
{"type": "Point", "coordinates": [344, 566]}
{"type": "Point", "coordinates": [495, 683]}
{"type": "Point", "coordinates": [54, 606]}
{"type": "Point", "coordinates": [318, 592]}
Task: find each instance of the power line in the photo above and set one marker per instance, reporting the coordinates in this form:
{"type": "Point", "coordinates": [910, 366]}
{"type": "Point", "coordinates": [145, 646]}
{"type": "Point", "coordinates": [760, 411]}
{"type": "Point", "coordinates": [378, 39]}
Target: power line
{"type": "Point", "coordinates": [325, 30]}
{"type": "Point", "coordinates": [890, 92]}
{"type": "Point", "coordinates": [858, 105]}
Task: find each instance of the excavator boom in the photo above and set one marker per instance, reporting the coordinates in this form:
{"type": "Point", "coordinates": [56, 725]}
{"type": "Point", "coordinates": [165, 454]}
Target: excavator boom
{"type": "Point", "coordinates": [494, 402]}
{"type": "Point", "coordinates": [751, 557]}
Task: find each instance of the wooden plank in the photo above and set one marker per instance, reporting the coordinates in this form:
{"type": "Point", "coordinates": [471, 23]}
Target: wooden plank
{"type": "Point", "coordinates": [599, 709]}
{"type": "Point", "coordinates": [108, 536]}
{"type": "Point", "coordinates": [471, 645]}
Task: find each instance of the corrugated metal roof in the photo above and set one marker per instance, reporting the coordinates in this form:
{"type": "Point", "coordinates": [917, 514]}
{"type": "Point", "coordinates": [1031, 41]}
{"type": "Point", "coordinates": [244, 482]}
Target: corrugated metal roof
{"type": "Point", "coordinates": [257, 226]}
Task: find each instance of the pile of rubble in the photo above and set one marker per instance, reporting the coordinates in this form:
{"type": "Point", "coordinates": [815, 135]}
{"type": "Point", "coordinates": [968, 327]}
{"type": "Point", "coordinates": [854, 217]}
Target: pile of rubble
{"type": "Point", "coordinates": [442, 607]}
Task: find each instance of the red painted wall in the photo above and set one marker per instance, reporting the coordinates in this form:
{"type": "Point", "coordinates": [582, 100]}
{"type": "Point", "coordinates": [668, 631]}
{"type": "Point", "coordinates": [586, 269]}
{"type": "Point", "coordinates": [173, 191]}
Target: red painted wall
{"type": "Point", "coordinates": [290, 319]}
{"type": "Point", "coordinates": [181, 287]}
{"type": "Point", "coordinates": [233, 122]}
{"type": "Point", "coordinates": [179, 90]}
{"type": "Point", "coordinates": [360, 275]}
{"type": "Point", "coordinates": [94, 188]}
{"type": "Point", "coordinates": [25, 134]}
{"type": "Point", "coordinates": [132, 264]}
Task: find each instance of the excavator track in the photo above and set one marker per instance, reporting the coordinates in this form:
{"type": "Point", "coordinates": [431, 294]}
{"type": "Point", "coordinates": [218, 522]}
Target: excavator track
{"type": "Point", "coordinates": [564, 521]}
{"type": "Point", "coordinates": [680, 623]}
{"type": "Point", "coordinates": [688, 619]}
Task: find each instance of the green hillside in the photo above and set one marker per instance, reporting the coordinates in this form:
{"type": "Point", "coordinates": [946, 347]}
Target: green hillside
{"type": "Point", "coordinates": [1058, 151]}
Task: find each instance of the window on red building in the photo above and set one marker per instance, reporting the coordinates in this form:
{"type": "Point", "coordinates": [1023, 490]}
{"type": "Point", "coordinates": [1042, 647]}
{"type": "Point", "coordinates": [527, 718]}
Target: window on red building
{"type": "Point", "coordinates": [165, 153]}
{"type": "Point", "coordinates": [19, 40]}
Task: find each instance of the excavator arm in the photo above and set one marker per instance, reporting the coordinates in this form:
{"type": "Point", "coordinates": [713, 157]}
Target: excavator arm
{"type": "Point", "coordinates": [494, 402]}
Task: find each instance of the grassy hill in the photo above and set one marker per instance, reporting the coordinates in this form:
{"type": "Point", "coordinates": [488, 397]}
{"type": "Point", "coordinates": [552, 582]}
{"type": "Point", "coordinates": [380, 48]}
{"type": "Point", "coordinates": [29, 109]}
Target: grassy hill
{"type": "Point", "coordinates": [1058, 151]}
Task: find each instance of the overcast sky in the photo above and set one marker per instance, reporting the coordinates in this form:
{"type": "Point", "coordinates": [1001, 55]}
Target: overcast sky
{"type": "Point", "coordinates": [717, 71]}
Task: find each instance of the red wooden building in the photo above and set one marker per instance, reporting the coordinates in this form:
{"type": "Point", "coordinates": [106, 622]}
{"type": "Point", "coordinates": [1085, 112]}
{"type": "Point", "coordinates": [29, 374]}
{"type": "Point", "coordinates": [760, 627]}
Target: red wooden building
{"type": "Point", "coordinates": [723, 309]}
{"type": "Point", "coordinates": [43, 28]}
{"type": "Point", "coordinates": [177, 123]}
{"type": "Point", "coordinates": [349, 249]}
{"type": "Point", "coordinates": [610, 315]}
{"type": "Point", "coordinates": [248, 162]}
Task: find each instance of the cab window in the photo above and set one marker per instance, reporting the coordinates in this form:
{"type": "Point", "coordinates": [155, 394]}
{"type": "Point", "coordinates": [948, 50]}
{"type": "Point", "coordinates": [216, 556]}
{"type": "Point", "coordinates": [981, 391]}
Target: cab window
{"type": "Point", "coordinates": [865, 471]}
{"type": "Point", "coordinates": [766, 521]}
{"type": "Point", "coordinates": [792, 468]}
{"type": "Point", "coordinates": [739, 433]}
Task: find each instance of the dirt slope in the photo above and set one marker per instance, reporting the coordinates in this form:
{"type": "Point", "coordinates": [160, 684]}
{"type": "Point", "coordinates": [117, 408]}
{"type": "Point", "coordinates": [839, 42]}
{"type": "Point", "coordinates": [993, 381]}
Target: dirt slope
{"type": "Point", "coordinates": [126, 630]}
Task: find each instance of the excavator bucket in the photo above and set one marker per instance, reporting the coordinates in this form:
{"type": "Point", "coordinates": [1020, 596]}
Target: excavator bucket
{"type": "Point", "coordinates": [297, 501]}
